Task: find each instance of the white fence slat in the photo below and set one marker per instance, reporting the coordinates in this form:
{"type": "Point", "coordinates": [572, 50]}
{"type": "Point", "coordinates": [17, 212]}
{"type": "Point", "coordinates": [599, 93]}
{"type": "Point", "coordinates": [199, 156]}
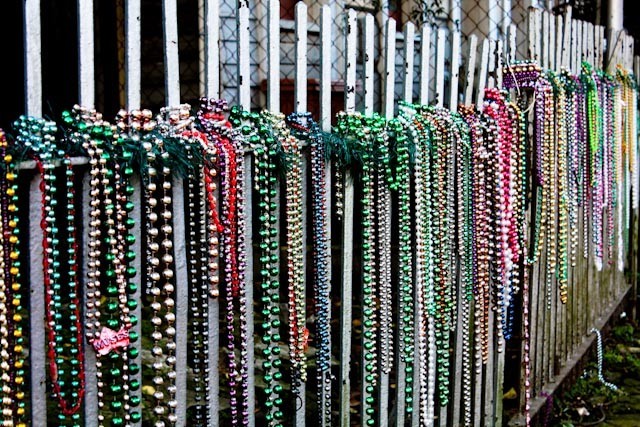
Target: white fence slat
{"type": "Point", "coordinates": [539, 36]}
{"type": "Point", "coordinates": [171, 58]}
{"type": "Point", "coordinates": [301, 58]}
{"type": "Point", "coordinates": [531, 33]}
{"type": "Point", "coordinates": [369, 62]}
{"type": "Point", "coordinates": [86, 80]}
{"type": "Point", "coordinates": [409, 45]}
{"type": "Point", "coordinates": [498, 63]}
{"type": "Point", "coordinates": [590, 45]}
{"type": "Point", "coordinates": [346, 315]}
{"type": "Point", "coordinates": [455, 71]}
{"type": "Point", "coordinates": [273, 55]}
{"type": "Point", "coordinates": [462, 323]}
{"type": "Point", "coordinates": [37, 359]}
{"type": "Point", "coordinates": [471, 69]}
{"type": "Point", "coordinates": [482, 77]}
{"type": "Point", "coordinates": [32, 58]}
{"type": "Point", "coordinates": [583, 41]}
{"type": "Point", "coordinates": [132, 64]}
{"type": "Point", "coordinates": [595, 30]}
{"type": "Point", "coordinates": [351, 53]}
{"type": "Point", "coordinates": [139, 262]}
{"type": "Point", "coordinates": [491, 64]}
{"type": "Point", "coordinates": [389, 67]}
{"type": "Point", "coordinates": [552, 42]}
{"type": "Point", "coordinates": [578, 44]}
{"type": "Point", "coordinates": [212, 48]}
{"type": "Point", "coordinates": [244, 64]}
{"type": "Point", "coordinates": [440, 60]}
{"type": "Point", "coordinates": [182, 300]}
{"type": "Point", "coordinates": [326, 48]}
{"type": "Point", "coordinates": [566, 41]}
{"type": "Point", "coordinates": [513, 33]}
{"type": "Point", "coordinates": [489, 375]}
{"type": "Point", "coordinates": [90, 381]}
{"type": "Point", "coordinates": [202, 48]}
{"type": "Point", "coordinates": [425, 57]}
{"type": "Point", "coordinates": [559, 43]}
{"type": "Point", "coordinates": [545, 41]}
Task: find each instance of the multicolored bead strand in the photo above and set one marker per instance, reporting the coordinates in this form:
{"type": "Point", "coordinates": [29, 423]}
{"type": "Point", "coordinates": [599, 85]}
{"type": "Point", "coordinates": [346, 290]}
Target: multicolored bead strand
{"type": "Point", "coordinates": [12, 312]}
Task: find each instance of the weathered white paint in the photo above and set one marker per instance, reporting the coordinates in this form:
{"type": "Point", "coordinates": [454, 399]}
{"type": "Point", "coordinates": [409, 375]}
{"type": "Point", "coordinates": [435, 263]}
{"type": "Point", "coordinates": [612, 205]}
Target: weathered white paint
{"type": "Point", "coordinates": [273, 55]}
{"type": "Point", "coordinates": [471, 70]}
{"type": "Point", "coordinates": [171, 59]}
{"type": "Point", "coordinates": [244, 65]}
{"type": "Point", "coordinates": [409, 36]}
{"type": "Point", "coordinates": [212, 48]}
{"type": "Point", "coordinates": [425, 57]}
{"type": "Point", "coordinates": [455, 71]}
{"type": "Point", "coordinates": [32, 58]}
{"type": "Point", "coordinates": [369, 60]}
{"type": "Point", "coordinates": [351, 51]}
{"type": "Point", "coordinates": [86, 86]}
{"type": "Point", "coordinates": [301, 58]}
{"type": "Point", "coordinates": [440, 70]}
{"type": "Point", "coordinates": [132, 64]}
{"type": "Point", "coordinates": [326, 51]}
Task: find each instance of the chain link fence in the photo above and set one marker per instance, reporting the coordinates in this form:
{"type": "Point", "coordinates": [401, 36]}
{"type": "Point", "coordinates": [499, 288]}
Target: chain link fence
{"type": "Point", "coordinates": [484, 18]}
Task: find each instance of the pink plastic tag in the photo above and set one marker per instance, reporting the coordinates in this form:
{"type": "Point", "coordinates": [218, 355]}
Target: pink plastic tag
{"type": "Point", "coordinates": [110, 340]}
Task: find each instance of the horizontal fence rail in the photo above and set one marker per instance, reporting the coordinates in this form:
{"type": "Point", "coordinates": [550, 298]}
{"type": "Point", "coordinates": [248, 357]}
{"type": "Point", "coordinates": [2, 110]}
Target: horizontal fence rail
{"type": "Point", "coordinates": [300, 294]}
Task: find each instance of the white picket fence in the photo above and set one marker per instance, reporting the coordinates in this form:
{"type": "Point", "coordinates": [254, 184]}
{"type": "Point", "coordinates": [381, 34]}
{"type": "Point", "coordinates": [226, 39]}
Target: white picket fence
{"type": "Point", "coordinates": [557, 336]}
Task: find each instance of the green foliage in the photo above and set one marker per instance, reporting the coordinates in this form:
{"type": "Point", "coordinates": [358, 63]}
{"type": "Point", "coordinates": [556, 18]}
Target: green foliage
{"type": "Point", "coordinates": [623, 333]}
{"type": "Point", "coordinates": [588, 400]}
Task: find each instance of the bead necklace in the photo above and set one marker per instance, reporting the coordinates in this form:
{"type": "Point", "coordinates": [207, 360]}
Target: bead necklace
{"type": "Point", "coordinates": [303, 126]}
{"type": "Point", "coordinates": [611, 137]}
{"type": "Point", "coordinates": [594, 135]}
{"type": "Point", "coordinates": [210, 113]}
{"type": "Point", "coordinates": [265, 150]}
{"type": "Point", "coordinates": [11, 323]}
{"type": "Point", "coordinates": [424, 272]}
{"type": "Point", "coordinates": [171, 123]}
{"type": "Point", "coordinates": [401, 184]}
{"type": "Point", "coordinates": [354, 130]}
{"type": "Point", "coordinates": [583, 156]}
{"type": "Point", "coordinates": [238, 139]}
{"type": "Point", "coordinates": [38, 136]}
{"type": "Point", "coordinates": [385, 181]}
{"type": "Point", "coordinates": [508, 242]}
{"type": "Point", "coordinates": [573, 160]}
{"type": "Point", "coordinates": [127, 287]}
{"type": "Point", "coordinates": [465, 251]}
{"type": "Point", "coordinates": [480, 250]}
{"type": "Point", "coordinates": [159, 272]}
{"type": "Point", "coordinates": [198, 266]}
{"type": "Point", "coordinates": [443, 195]}
{"type": "Point", "coordinates": [295, 250]}
{"type": "Point", "coordinates": [106, 180]}
{"type": "Point", "coordinates": [488, 250]}
{"type": "Point", "coordinates": [620, 141]}
{"type": "Point", "coordinates": [563, 196]}
{"type": "Point", "coordinates": [229, 145]}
